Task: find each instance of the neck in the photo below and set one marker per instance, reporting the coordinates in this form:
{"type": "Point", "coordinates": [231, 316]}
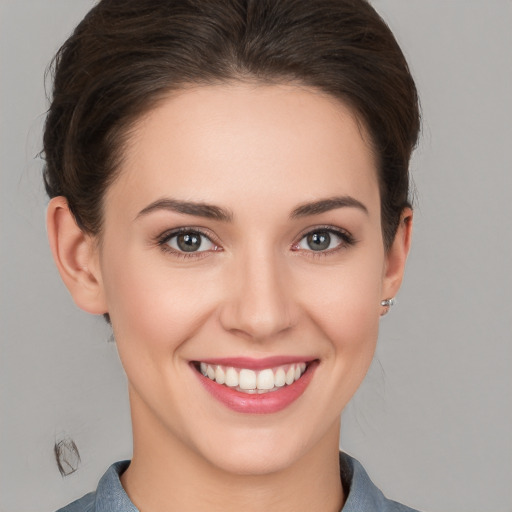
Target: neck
{"type": "Point", "coordinates": [166, 475]}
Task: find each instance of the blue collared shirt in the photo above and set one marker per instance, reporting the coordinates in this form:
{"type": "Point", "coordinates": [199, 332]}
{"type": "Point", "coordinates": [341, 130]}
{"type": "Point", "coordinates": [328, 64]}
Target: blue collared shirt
{"type": "Point", "coordinates": [362, 496]}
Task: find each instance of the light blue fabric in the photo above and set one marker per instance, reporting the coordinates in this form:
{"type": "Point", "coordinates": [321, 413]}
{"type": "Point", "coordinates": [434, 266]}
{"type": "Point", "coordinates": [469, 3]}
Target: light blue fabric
{"type": "Point", "coordinates": [363, 496]}
{"type": "Point", "coordinates": [108, 497]}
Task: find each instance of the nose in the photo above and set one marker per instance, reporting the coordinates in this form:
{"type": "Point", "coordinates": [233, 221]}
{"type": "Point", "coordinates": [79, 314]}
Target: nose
{"type": "Point", "coordinates": [259, 302]}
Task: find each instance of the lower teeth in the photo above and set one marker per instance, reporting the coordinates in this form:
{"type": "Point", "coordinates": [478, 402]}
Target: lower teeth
{"type": "Point", "coordinates": [256, 391]}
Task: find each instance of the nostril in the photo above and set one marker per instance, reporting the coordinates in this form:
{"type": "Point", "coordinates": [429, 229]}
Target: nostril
{"type": "Point", "coordinates": [259, 302]}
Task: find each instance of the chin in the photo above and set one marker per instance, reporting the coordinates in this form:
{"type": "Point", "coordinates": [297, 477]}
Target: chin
{"type": "Point", "coordinates": [265, 451]}
{"type": "Point", "coordinates": [254, 460]}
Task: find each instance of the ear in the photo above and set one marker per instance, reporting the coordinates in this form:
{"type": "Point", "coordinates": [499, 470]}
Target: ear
{"type": "Point", "coordinates": [76, 256]}
{"type": "Point", "coordinates": [396, 256]}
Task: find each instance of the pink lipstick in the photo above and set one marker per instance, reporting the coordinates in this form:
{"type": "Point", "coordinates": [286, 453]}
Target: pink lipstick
{"type": "Point", "coordinates": [256, 386]}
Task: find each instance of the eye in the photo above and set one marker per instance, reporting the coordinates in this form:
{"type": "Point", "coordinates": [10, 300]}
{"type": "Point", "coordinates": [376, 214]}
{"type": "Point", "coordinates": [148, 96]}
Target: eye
{"type": "Point", "coordinates": [187, 241]}
{"type": "Point", "coordinates": [324, 240]}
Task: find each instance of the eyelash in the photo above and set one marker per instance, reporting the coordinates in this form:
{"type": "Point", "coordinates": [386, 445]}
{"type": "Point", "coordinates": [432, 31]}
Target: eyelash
{"type": "Point", "coordinates": [347, 240]}
{"type": "Point", "coordinates": [164, 239]}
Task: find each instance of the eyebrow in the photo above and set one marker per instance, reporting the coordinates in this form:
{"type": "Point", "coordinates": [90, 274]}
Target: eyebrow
{"type": "Point", "coordinates": [325, 205]}
{"type": "Point", "coordinates": [208, 211]}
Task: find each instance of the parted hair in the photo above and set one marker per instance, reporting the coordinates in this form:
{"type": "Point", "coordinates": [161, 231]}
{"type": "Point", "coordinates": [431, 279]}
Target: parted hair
{"type": "Point", "coordinates": [127, 55]}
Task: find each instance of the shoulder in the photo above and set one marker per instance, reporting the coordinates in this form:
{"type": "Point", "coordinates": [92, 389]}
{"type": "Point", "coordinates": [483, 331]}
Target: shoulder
{"type": "Point", "coordinates": [109, 495]}
{"type": "Point", "coordinates": [362, 493]}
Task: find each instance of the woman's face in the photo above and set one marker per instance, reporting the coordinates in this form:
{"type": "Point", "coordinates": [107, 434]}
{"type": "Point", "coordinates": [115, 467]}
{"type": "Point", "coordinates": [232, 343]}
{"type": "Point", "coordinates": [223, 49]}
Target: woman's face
{"type": "Point", "coordinates": [244, 233]}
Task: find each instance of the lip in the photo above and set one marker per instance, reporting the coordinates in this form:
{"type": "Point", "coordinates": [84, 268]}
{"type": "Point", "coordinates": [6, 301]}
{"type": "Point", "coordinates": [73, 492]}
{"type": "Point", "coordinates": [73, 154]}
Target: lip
{"type": "Point", "coordinates": [266, 403]}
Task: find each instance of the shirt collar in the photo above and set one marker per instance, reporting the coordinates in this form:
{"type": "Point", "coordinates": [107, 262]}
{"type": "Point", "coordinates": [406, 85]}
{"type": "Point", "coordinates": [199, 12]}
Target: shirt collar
{"type": "Point", "coordinates": [361, 492]}
{"type": "Point", "coordinates": [110, 495]}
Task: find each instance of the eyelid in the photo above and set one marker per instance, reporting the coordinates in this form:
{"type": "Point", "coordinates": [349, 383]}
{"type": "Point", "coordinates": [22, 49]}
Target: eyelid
{"type": "Point", "coordinates": [346, 237]}
{"type": "Point", "coordinates": [163, 239]}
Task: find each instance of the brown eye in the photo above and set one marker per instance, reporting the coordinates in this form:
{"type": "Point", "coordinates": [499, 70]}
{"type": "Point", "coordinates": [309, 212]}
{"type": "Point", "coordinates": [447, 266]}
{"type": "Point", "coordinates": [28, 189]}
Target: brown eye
{"type": "Point", "coordinates": [190, 241]}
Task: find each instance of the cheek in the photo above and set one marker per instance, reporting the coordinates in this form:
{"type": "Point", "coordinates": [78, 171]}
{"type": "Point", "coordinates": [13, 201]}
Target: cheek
{"type": "Point", "coordinates": [351, 324]}
{"type": "Point", "coordinates": [345, 309]}
{"type": "Point", "coordinates": [345, 302]}
{"type": "Point", "coordinates": [153, 309]}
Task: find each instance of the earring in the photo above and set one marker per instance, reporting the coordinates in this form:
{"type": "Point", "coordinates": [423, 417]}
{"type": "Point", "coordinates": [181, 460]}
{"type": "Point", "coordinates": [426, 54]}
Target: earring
{"type": "Point", "coordinates": [386, 304]}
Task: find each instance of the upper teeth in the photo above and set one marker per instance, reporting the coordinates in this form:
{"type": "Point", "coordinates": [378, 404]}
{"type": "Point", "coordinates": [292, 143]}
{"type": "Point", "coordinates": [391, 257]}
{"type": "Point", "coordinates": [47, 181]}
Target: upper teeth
{"type": "Point", "coordinates": [251, 381]}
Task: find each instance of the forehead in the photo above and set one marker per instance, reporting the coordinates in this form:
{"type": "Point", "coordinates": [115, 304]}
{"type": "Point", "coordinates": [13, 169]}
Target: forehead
{"type": "Point", "coordinates": [215, 143]}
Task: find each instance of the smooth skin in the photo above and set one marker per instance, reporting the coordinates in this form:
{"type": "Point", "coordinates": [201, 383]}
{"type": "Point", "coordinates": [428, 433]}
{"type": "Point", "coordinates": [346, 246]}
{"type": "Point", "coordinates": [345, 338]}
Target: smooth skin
{"type": "Point", "coordinates": [256, 286]}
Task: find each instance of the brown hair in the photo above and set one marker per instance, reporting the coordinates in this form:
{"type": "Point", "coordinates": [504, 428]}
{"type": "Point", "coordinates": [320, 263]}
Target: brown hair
{"type": "Point", "coordinates": [127, 54]}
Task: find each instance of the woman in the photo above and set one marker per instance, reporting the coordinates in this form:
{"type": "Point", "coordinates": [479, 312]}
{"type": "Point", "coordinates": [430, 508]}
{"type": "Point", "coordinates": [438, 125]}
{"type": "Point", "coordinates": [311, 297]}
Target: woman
{"type": "Point", "coordinates": [229, 184]}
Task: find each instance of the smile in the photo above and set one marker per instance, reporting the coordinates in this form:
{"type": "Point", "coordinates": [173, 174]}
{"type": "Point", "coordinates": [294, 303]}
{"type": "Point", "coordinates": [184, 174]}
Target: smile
{"type": "Point", "coordinates": [250, 381]}
{"type": "Point", "coordinates": [255, 386]}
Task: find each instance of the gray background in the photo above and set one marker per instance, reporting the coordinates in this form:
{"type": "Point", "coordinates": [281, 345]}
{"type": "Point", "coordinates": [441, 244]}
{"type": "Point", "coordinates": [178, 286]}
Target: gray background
{"type": "Point", "coordinates": [433, 421]}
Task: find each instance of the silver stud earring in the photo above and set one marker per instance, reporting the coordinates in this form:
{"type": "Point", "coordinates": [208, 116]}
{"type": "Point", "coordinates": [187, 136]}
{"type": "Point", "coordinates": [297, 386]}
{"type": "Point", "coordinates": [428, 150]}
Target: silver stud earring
{"type": "Point", "coordinates": [386, 304]}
